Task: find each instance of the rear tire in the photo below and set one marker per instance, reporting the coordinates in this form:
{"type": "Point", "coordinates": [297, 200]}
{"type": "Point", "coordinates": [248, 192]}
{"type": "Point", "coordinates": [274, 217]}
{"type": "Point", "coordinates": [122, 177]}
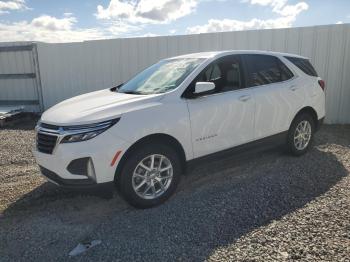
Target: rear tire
{"type": "Point", "coordinates": [300, 134]}
{"type": "Point", "coordinates": [150, 175]}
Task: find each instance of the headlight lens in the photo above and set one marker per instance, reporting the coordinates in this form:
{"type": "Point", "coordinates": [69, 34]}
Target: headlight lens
{"type": "Point", "coordinates": [80, 137]}
{"type": "Point", "coordinates": [86, 132]}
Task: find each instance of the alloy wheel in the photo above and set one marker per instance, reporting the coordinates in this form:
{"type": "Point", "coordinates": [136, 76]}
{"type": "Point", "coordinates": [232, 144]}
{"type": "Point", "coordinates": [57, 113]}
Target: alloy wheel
{"type": "Point", "coordinates": [302, 135]}
{"type": "Point", "coordinates": [152, 176]}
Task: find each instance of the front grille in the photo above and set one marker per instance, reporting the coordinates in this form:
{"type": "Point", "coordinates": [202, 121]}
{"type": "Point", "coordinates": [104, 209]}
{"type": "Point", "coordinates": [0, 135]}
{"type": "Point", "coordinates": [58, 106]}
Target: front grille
{"type": "Point", "coordinates": [46, 143]}
{"type": "Point", "coordinates": [48, 126]}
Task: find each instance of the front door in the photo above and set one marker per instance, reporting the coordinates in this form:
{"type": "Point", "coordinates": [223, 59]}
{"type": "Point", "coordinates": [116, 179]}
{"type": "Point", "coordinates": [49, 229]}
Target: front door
{"type": "Point", "coordinates": [223, 118]}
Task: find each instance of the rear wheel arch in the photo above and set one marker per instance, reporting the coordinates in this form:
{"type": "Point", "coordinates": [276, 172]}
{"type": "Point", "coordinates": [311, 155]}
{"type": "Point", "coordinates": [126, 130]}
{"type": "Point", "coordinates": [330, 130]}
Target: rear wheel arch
{"type": "Point", "coordinates": [154, 138]}
{"type": "Point", "coordinates": [310, 111]}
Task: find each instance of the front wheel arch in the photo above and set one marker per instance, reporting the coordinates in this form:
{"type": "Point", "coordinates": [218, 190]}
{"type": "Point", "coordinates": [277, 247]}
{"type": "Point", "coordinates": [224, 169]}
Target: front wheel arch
{"type": "Point", "coordinates": [154, 138]}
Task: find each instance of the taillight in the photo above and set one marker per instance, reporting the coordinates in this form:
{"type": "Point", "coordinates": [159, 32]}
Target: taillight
{"type": "Point", "coordinates": [322, 84]}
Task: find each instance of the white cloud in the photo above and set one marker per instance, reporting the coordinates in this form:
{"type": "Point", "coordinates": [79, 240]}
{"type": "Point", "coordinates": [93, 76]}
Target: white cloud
{"type": "Point", "coordinates": [7, 6]}
{"type": "Point", "coordinates": [223, 25]}
{"type": "Point", "coordinates": [281, 7]}
{"type": "Point", "coordinates": [51, 23]}
{"type": "Point", "coordinates": [146, 11]}
{"type": "Point", "coordinates": [48, 29]}
{"type": "Point", "coordinates": [115, 9]}
{"type": "Point", "coordinates": [147, 35]}
{"type": "Point", "coordinates": [293, 10]}
{"type": "Point", "coordinates": [287, 16]}
{"type": "Point", "coordinates": [339, 23]}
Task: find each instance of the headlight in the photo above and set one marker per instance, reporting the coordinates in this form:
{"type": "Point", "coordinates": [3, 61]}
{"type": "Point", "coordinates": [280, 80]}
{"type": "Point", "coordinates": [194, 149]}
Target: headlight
{"type": "Point", "coordinates": [80, 137]}
{"type": "Point", "coordinates": [86, 132]}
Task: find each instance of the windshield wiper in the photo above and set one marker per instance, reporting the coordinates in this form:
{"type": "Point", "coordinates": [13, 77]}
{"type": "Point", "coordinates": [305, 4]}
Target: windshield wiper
{"type": "Point", "coordinates": [131, 92]}
{"type": "Point", "coordinates": [116, 88]}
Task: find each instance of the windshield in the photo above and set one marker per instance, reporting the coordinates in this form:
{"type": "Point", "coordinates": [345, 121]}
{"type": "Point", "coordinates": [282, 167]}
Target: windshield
{"type": "Point", "coordinates": [161, 77]}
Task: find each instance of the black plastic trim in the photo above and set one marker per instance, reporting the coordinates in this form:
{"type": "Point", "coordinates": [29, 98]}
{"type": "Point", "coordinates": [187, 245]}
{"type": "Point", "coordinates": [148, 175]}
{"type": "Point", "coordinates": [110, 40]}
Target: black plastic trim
{"type": "Point", "coordinates": [49, 126]}
{"type": "Point", "coordinates": [104, 190]}
{"type": "Point", "coordinates": [66, 182]}
{"type": "Point", "coordinates": [258, 145]}
{"type": "Point", "coordinates": [46, 143]}
{"type": "Point", "coordinates": [78, 166]}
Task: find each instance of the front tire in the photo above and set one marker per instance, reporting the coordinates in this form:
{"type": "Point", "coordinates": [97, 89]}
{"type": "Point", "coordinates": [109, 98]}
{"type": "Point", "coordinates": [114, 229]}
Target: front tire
{"type": "Point", "coordinates": [150, 175]}
{"type": "Point", "coordinates": [300, 134]}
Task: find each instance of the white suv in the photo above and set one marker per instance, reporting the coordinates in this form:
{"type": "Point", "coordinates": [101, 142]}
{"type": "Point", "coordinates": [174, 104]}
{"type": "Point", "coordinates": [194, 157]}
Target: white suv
{"type": "Point", "coordinates": [141, 135]}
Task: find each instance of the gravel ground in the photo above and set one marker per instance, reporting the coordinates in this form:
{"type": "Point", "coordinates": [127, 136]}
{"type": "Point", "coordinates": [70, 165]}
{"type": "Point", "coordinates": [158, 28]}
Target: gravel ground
{"type": "Point", "coordinates": [265, 206]}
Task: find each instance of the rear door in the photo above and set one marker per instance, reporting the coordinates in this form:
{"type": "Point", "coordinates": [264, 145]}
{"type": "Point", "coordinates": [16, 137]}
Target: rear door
{"type": "Point", "coordinates": [276, 91]}
{"type": "Point", "coordinates": [225, 117]}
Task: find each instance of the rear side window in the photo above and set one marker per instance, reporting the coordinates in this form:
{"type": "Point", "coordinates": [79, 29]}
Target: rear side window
{"type": "Point", "coordinates": [266, 69]}
{"type": "Point", "coordinates": [303, 64]}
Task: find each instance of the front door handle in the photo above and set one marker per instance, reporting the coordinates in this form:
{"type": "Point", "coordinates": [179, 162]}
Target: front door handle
{"type": "Point", "coordinates": [244, 98]}
{"type": "Point", "coordinates": [293, 87]}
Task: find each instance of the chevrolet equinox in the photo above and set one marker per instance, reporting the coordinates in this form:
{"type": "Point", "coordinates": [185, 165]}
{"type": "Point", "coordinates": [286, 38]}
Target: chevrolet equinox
{"type": "Point", "coordinates": [141, 134]}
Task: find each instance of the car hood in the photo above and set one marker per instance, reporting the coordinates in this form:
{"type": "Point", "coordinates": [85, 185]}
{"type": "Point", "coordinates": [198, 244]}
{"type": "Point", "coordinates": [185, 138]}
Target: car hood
{"type": "Point", "coordinates": [97, 106]}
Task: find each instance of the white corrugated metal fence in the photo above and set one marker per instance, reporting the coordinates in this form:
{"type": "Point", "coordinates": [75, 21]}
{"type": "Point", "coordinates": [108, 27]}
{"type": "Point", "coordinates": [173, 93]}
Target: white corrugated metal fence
{"type": "Point", "coordinates": [70, 69]}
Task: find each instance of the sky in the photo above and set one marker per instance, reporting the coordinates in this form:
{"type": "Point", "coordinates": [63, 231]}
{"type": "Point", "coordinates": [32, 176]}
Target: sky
{"type": "Point", "coordinates": [77, 20]}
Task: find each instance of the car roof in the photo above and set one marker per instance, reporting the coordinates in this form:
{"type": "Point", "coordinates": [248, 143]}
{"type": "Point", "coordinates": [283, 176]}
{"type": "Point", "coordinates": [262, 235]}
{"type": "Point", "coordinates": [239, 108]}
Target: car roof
{"type": "Point", "coordinates": [215, 54]}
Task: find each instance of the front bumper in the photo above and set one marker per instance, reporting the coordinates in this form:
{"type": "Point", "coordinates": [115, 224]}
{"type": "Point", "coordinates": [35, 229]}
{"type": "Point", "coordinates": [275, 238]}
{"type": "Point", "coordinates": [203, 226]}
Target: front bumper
{"type": "Point", "coordinates": [101, 150]}
{"type": "Point", "coordinates": [76, 183]}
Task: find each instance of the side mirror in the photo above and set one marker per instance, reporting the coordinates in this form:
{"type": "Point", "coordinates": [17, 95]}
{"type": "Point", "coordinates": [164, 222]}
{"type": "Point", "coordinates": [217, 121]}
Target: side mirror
{"type": "Point", "coordinates": [202, 87]}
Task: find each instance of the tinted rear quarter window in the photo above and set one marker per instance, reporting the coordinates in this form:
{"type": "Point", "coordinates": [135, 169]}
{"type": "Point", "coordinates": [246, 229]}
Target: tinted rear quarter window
{"type": "Point", "coordinates": [266, 69]}
{"type": "Point", "coordinates": [285, 71]}
{"type": "Point", "coordinates": [303, 64]}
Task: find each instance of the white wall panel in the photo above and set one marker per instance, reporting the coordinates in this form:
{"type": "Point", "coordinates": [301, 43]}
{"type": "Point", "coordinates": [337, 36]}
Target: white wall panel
{"type": "Point", "coordinates": [17, 69]}
{"type": "Point", "coordinates": [279, 40]}
{"type": "Point", "coordinates": [18, 89]}
{"type": "Point", "coordinates": [332, 68]}
{"type": "Point", "coordinates": [343, 115]}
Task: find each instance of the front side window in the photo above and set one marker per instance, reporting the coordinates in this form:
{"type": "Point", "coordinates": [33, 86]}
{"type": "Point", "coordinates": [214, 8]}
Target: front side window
{"type": "Point", "coordinates": [161, 77]}
{"type": "Point", "coordinates": [266, 69]}
{"type": "Point", "coordinates": [225, 73]}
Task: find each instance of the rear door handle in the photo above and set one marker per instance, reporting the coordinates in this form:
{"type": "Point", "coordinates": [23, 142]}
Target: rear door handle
{"type": "Point", "coordinates": [244, 98]}
{"type": "Point", "coordinates": [293, 87]}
